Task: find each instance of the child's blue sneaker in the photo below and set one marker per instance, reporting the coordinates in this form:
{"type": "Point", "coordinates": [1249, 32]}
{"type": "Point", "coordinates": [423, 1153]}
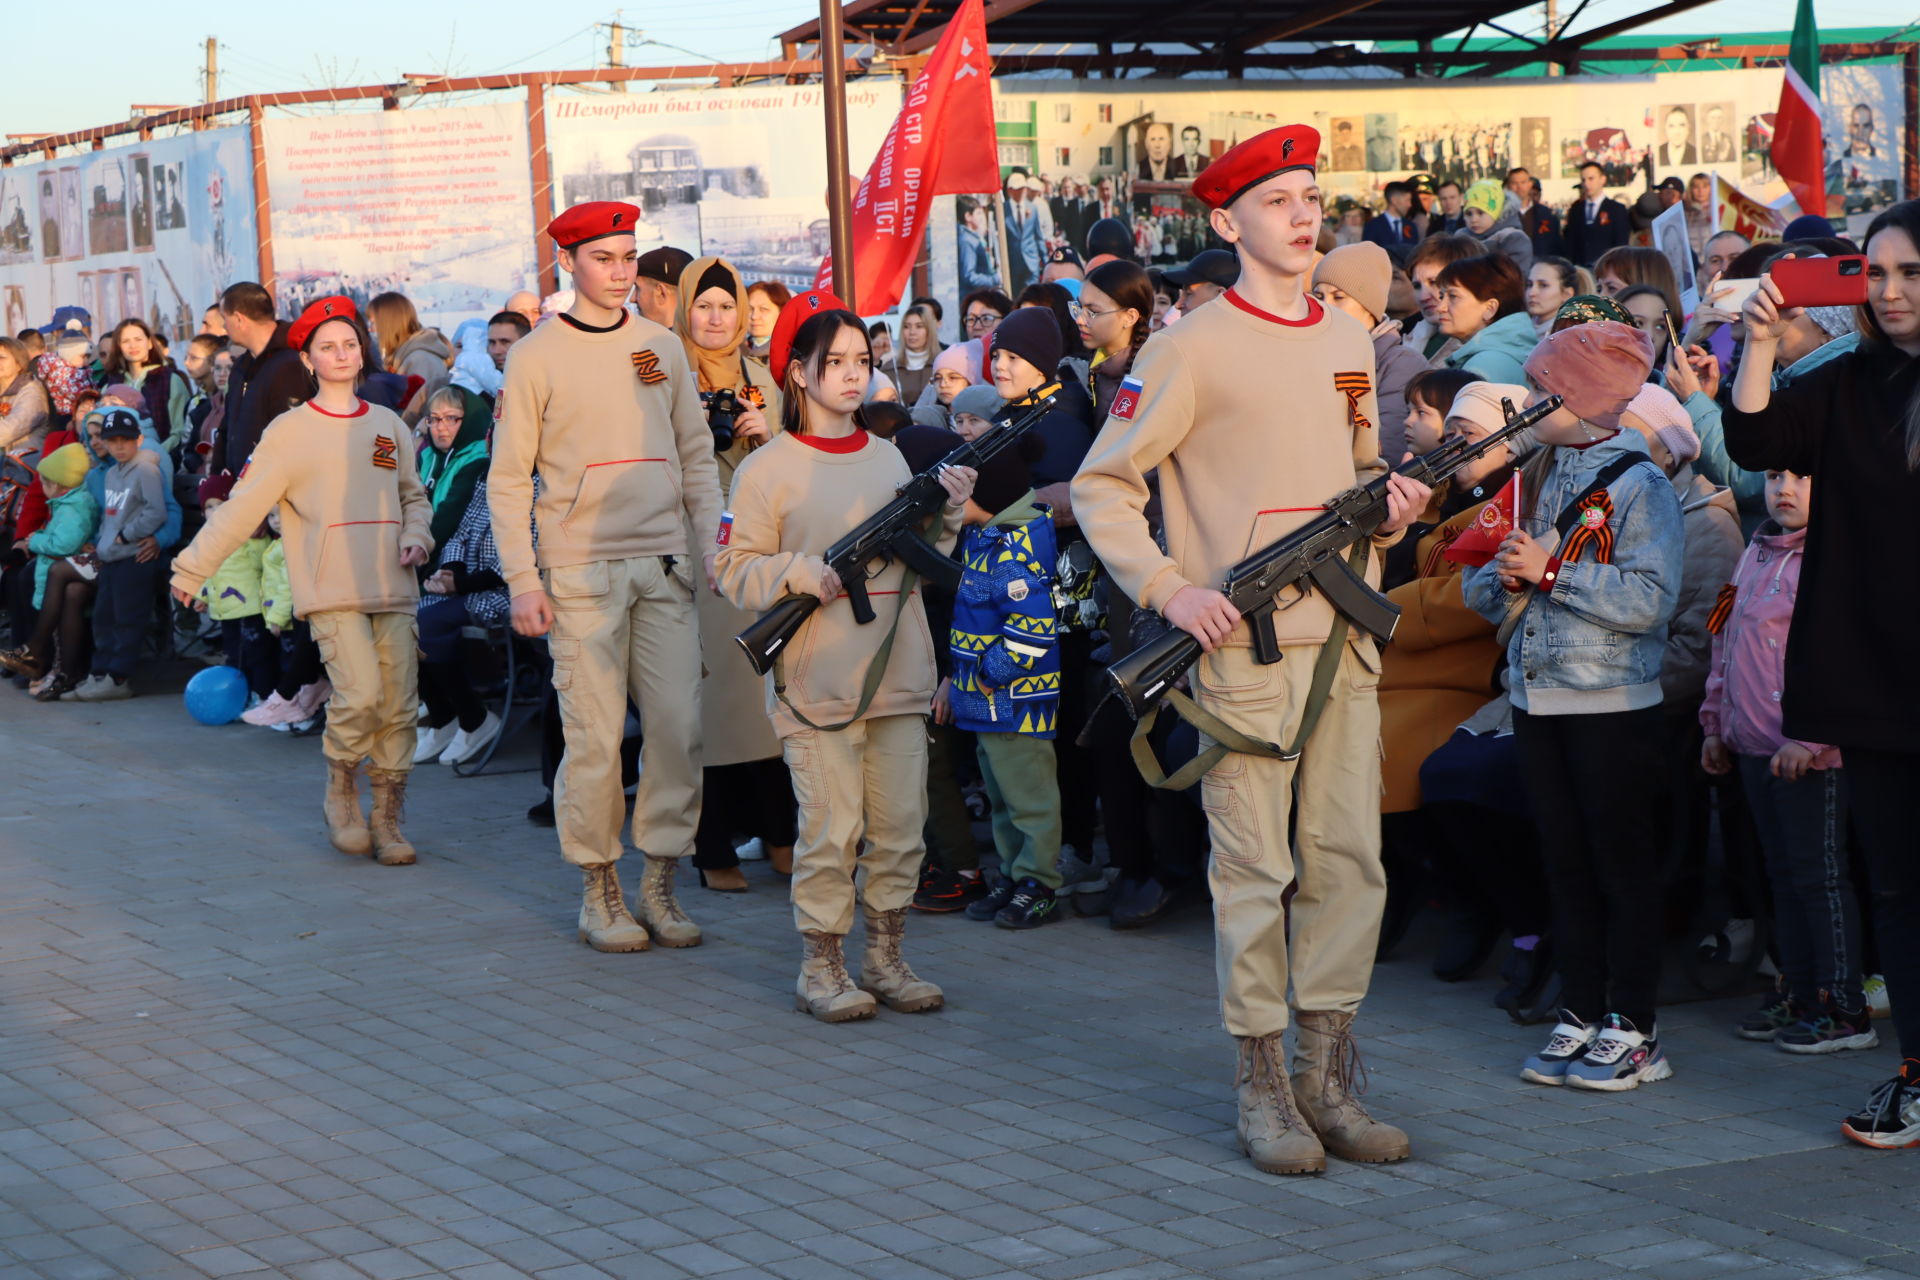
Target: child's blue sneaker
{"type": "Point", "coordinates": [1570, 1040]}
{"type": "Point", "coordinates": [1622, 1057]}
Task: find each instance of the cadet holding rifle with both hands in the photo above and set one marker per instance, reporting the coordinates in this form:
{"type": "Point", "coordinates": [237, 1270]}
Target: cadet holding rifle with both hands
{"type": "Point", "coordinates": [849, 701]}
{"type": "Point", "coordinates": [1237, 471]}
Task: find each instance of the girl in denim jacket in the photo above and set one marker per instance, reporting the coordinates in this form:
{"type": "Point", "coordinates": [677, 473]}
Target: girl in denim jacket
{"type": "Point", "coordinates": [1582, 592]}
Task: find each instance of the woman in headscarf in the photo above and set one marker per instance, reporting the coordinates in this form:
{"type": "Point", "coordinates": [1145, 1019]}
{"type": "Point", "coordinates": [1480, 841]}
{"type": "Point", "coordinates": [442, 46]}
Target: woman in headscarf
{"type": "Point", "coordinates": [454, 455]}
{"type": "Point", "coordinates": [748, 789]}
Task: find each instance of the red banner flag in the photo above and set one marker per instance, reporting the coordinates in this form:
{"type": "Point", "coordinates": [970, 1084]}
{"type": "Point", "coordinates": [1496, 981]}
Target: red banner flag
{"type": "Point", "coordinates": [942, 143]}
{"type": "Point", "coordinates": [1476, 544]}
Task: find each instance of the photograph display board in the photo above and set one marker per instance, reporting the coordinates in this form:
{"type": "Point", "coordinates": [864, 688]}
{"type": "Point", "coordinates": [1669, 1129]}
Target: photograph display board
{"type": "Point", "coordinates": [153, 231]}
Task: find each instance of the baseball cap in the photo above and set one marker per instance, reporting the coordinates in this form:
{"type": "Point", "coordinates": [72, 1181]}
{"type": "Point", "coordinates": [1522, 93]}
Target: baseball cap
{"type": "Point", "coordinates": [119, 424]}
{"type": "Point", "coordinates": [664, 264]}
{"type": "Point", "coordinates": [1671, 183]}
{"type": "Point", "coordinates": [1209, 266]}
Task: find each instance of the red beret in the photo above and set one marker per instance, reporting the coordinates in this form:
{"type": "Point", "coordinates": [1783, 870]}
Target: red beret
{"type": "Point", "coordinates": [802, 308]}
{"type": "Point", "coordinates": [1263, 156]}
{"type": "Point", "coordinates": [593, 221]}
{"type": "Point", "coordinates": [318, 312]}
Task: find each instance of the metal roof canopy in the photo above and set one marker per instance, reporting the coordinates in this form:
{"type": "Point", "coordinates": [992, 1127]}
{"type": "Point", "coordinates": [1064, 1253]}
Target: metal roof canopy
{"type": "Point", "coordinates": [1225, 35]}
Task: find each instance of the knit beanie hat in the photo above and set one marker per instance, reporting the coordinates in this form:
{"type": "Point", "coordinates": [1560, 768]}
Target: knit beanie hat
{"type": "Point", "coordinates": [1479, 403]}
{"type": "Point", "coordinates": [66, 466]}
{"type": "Point", "coordinates": [1596, 368]}
{"type": "Point", "coordinates": [1668, 420]}
{"type": "Point", "coordinates": [1835, 322]}
{"type": "Point", "coordinates": [1488, 196]}
{"type": "Point", "coordinates": [980, 401]}
{"type": "Point", "coordinates": [961, 357]}
{"type": "Point", "coordinates": [1033, 334]}
{"type": "Point", "coordinates": [123, 395]}
{"type": "Point", "coordinates": [1362, 271]}
{"type": "Point", "coordinates": [923, 445]}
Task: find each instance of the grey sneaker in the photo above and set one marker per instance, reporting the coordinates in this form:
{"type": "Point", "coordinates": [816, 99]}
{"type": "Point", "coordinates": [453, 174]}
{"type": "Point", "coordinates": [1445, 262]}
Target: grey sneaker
{"type": "Point", "coordinates": [1084, 884]}
{"type": "Point", "coordinates": [101, 689]}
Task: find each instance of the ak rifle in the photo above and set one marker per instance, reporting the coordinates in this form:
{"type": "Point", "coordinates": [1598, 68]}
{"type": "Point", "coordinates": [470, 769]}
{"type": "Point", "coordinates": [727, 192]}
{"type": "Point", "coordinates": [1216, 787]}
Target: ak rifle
{"type": "Point", "coordinates": [1314, 554]}
{"type": "Point", "coordinates": [894, 532]}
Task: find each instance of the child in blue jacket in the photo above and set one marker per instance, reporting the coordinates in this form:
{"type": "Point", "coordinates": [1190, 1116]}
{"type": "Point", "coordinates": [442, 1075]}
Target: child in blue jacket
{"type": "Point", "coordinates": [1582, 592]}
{"type": "Point", "coordinates": [1005, 686]}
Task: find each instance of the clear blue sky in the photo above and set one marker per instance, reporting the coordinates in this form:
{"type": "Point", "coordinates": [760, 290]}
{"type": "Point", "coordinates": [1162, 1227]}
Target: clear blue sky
{"type": "Point", "coordinates": [60, 79]}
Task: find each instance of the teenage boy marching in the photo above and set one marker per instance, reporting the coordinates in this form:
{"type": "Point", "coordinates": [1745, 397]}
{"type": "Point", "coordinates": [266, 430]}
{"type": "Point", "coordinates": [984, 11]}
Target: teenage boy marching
{"type": "Point", "coordinates": [602, 405]}
{"type": "Point", "coordinates": [1257, 410]}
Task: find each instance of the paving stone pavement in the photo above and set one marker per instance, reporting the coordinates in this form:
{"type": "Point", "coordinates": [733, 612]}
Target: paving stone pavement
{"type": "Point", "coordinates": [226, 1050]}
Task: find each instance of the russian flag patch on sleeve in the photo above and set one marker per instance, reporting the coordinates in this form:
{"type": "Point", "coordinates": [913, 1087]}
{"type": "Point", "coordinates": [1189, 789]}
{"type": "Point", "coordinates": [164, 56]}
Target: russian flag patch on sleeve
{"type": "Point", "coordinates": [1127, 399]}
{"type": "Point", "coordinates": [725, 536]}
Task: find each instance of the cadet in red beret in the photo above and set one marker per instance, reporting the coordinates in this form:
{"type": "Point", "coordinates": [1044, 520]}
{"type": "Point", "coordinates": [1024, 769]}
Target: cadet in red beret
{"type": "Point", "coordinates": [595, 220]}
{"type": "Point", "coordinates": [799, 309]}
{"type": "Point", "coordinates": [1264, 402]}
{"type": "Point", "coordinates": [355, 523]}
{"type": "Point", "coordinates": [318, 312]}
{"type": "Point", "coordinates": [602, 404]}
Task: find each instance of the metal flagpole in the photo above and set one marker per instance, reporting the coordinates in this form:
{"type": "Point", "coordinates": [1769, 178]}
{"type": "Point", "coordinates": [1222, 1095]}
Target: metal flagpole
{"type": "Point", "coordinates": [833, 83]}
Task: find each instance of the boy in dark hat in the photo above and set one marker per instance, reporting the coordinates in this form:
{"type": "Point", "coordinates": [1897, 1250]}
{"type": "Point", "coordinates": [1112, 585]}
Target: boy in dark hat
{"type": "Point", "coordinates": [134, 509]}
{"type": "Point", "coordinates": [1235, 475]}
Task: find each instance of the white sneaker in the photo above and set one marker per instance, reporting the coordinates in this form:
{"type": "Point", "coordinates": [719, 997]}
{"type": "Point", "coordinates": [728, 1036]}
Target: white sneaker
{"type": "Point", "coordinates": [429, 743]}
{"type": "Point", "coordinates": [91, 685]}
{"type": "Point", "coordinates": [466, 746]}
{"type": "Point", "coordinates": [754, 850]}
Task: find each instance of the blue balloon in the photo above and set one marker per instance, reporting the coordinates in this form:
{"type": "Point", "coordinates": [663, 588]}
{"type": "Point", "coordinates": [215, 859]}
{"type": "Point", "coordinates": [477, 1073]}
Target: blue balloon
{"type": "Point", "coordinates": [217, 695]}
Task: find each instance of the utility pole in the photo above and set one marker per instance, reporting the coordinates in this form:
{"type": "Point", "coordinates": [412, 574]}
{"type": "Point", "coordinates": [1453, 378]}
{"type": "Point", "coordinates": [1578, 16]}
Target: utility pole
{"type": "Point", "coordinates": [617, 49]}
{"type": "Point", "coordinates": [1553, 33]}
{"type": "Point", "coordinates": [213, 69]}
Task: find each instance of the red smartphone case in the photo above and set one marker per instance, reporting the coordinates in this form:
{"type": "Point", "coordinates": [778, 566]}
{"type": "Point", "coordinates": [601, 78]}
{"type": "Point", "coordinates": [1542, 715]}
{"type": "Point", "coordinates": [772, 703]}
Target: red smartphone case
{"type": "Point", "coordinates": [1822, 282]}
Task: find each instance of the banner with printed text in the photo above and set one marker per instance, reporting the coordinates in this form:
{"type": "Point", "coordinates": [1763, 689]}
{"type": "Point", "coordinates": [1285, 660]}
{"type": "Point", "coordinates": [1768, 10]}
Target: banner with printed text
{"type": "Point", "coordinates": [153, 231]}
{"type": "Point", "coordinates": [434, 204]}
{"type": "Point", "coordinates": [741, 173]}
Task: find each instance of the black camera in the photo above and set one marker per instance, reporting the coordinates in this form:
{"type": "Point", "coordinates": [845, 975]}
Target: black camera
{"type": "Point", "coordinates": [723, 407]}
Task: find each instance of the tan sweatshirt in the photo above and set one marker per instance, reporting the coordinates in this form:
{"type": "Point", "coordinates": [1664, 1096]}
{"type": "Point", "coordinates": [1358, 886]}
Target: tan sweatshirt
{"type": "Point", "coordinates": [350, 500]}
{"type": "Point", "coordinates": [1251, 426]}
{"type": "Point", "coordinates": [790, 502]}
{"type": "Point", "coordinates": [614, 425]}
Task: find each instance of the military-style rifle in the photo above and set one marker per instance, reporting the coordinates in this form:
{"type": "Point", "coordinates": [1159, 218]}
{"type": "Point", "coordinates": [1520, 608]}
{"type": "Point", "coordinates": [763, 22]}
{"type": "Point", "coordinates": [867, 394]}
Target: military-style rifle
{"type": "Point", "coordinates": [1314, 553]}
{"type": "Point", "coordinates": [892, 532]}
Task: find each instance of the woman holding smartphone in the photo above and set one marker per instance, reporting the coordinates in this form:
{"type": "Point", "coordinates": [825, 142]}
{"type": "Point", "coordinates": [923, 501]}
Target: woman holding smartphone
{"type": "Point", "coordinates": [1854, 425]}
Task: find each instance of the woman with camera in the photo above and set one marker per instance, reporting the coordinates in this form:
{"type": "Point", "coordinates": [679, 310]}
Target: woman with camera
{"type": "Point", "coordinates": [748, 789]}
{"type": "Point", "coordinates": [1853, 424]}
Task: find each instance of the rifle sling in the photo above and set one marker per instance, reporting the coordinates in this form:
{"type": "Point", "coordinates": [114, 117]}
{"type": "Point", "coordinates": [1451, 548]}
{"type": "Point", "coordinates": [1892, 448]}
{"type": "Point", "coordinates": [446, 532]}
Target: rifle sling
{"type": "Point", "coordinates": [877, 668]}
{"type": "Point", "coordinates": [1228, 740]}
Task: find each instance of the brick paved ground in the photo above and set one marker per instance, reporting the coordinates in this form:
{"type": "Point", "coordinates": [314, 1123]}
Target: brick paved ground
{"type": "Point", "coordinates": [230, 1051]}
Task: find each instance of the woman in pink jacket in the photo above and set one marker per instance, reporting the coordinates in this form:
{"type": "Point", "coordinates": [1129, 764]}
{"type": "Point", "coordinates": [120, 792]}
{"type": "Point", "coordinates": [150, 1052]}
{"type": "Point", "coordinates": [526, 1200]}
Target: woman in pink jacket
{"type": "Point", "coordinates": [1796, 791]}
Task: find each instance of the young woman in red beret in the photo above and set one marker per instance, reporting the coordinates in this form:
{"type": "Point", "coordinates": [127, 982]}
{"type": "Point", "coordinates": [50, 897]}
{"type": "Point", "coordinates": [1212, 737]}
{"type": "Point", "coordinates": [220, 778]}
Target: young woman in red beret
{"type": "Point", "coordinates": [354, 519]}
{"type": "Point", "coordinates": [855, 739]}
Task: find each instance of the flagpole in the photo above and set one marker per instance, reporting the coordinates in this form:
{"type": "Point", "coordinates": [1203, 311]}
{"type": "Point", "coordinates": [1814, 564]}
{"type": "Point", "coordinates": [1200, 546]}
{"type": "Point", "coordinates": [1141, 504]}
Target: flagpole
{"type": "Point", "coordinates": [833, 83]}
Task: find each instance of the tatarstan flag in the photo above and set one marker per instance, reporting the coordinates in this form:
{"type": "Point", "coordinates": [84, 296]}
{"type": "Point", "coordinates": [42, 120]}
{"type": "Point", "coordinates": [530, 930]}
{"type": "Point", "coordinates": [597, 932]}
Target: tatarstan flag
{"type": "Point", "coordinates": [1797, 154]}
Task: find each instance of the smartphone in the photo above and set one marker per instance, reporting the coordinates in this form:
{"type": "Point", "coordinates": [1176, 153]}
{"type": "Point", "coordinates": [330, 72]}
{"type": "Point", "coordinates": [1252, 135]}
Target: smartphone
{"type": "Point", "coordinates": [1733, 294]}
{"type": "Point", "coordinates": [1673, 334]}
{"type": "Point", "coordinates": [1822, 282]}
